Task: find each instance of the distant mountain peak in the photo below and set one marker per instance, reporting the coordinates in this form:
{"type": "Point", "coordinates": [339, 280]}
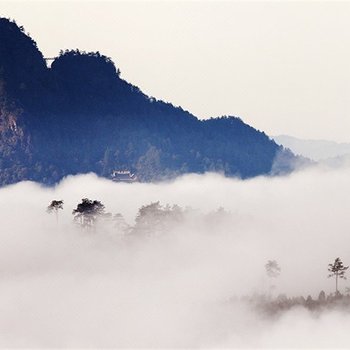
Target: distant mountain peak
{"type": "Point", "coordinates": [314, 149]}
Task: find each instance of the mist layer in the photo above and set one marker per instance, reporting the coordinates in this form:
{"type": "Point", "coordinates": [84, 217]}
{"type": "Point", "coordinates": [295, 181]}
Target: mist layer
{"type": "Point", "coordinates": [183, 285]}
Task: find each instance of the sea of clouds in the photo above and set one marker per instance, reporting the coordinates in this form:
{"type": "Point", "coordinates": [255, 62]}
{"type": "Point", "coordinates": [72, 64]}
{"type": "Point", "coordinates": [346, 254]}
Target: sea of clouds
{"type": "Point", "coordinates": [61, 286]}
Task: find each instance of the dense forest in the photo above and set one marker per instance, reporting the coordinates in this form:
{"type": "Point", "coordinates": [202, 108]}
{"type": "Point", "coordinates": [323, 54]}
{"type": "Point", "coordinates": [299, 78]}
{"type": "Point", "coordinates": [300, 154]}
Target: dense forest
{"type": "Point", "coordinates": [79, 115]}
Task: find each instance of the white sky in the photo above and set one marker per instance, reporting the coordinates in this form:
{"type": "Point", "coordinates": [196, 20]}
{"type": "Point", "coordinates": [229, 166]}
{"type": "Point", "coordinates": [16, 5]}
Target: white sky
{"type": "Point", "coordinates": [283, 67]}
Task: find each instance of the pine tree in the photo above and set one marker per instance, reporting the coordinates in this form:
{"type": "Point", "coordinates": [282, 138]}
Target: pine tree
{"type": "Point", "coordinates": [88, 211]}
{"type": "Point", "coordinates": [272, 268]}
{"type": "Point", "coordinates": [54, 207]}
{"type": "Point", "coordinates": [273, 271]}
{"type": "Point", "coordinates": [338, 270]}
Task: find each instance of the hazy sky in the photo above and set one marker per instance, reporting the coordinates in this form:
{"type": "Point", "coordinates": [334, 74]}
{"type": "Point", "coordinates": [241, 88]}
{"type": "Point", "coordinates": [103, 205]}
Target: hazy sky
{"type": "Point", "coordinates": [283, 67]}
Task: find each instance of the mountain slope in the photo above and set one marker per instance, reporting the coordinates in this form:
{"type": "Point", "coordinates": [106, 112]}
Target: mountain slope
{"type": "Point", "coordinates": [80, 116]}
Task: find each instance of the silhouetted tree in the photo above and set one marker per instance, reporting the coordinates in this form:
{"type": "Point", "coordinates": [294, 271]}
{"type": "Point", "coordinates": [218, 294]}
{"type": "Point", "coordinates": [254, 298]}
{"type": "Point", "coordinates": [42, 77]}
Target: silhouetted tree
{"type": "Point", "coordinates": [273, 271]}
{"type": "Point", "coordinates": [338, 270]}
{"type": "Point", "coordinates": [310, 303]}
{"type": "Point", "coordinates": [88, 211]}
{"type": "Point", "coordinates": [54, 207]}
{"type": "Point", "coordinates": [155, 218]}
{"type": "Point", "coordinates": [272, 268]}
{"type": "Point", "coordinates": [322, 297]}
{"type": "Point", "coordinates": [149, 218]}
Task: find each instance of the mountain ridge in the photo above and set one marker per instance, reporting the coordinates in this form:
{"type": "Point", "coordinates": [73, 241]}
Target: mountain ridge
{"type": "Point", "coordinates": [315, 149]}
{"type": "Point", "coordinates": [79, 116]}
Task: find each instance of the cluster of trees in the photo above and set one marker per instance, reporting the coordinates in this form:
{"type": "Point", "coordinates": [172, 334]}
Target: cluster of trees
{"type": "Point", "coordinates": [335, 269]}
{"type": "Point", "coordinates": [80, 116]}
{"type": "Point", "coordinates": [281, 303]}
{"type": "Point", "coordinates": [155, 219]}
{"type": "Point", "coordinates": [267, 304]}
{"type": "Point", "coordinates": [151, 219]}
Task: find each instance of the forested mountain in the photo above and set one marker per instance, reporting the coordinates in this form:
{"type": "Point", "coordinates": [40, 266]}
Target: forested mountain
{"type": "Point", "coordinates": [79, 116]}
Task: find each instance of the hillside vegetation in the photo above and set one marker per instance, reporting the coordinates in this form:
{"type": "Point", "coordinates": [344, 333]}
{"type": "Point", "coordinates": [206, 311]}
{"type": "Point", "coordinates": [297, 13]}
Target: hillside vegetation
{"type": "Point", "coordinates": [79, 116]}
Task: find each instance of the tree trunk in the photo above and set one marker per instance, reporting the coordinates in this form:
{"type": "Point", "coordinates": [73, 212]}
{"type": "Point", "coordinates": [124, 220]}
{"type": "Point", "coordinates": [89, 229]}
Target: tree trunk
{"type": "Point", "coordinates": [336, 283]}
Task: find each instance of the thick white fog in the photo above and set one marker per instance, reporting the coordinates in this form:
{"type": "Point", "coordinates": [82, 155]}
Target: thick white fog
{"type": "Point", "coordinates": [62, 286]}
